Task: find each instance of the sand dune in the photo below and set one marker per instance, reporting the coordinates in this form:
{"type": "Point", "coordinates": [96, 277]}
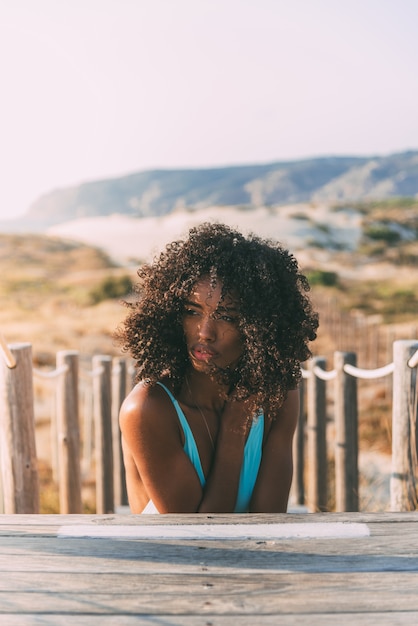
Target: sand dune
{"type": "Point", "coordinates": [296, 226]}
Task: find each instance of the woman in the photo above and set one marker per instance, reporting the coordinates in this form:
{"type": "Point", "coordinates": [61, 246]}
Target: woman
{"type": "Point", "coordinates": [218, 332]}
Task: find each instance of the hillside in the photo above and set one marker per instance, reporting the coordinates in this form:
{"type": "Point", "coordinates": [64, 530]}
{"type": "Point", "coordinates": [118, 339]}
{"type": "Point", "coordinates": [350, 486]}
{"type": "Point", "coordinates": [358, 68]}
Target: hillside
{"type": "Point", "coordinates": [154, 193]}
{"type": "Point", "coordinates": [368, 251]}
{"type": "Point", "coordinates": [58, 294]}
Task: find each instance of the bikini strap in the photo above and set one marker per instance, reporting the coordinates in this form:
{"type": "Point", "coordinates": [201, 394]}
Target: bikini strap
{"type": "Point", "coordinates": [190, 446]}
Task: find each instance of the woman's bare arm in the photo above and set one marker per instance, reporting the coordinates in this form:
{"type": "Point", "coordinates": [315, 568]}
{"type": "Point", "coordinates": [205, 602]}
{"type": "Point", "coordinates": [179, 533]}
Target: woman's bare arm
{"type": "Point", "coordinates": [271, 492]}
{"type": "Point", "coordinates": [154, 452]}
{"type": "Point", "coordinates": [152, 441]}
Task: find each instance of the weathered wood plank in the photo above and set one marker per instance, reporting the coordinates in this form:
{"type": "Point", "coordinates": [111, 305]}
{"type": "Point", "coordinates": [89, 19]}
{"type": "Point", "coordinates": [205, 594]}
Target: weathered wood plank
{"type": "Point", "coordinates": [279, 595]}
{"type": "Point", "coordinates": [401, 618]}
{"type": "Point", "coordinates": [43, 523]}
{"type": "Point", "coordinates": [49, 578]}
{"type": "Point", "coordinates": [381, 552]}
{"type": "Point", "coordinates": [208, 584]}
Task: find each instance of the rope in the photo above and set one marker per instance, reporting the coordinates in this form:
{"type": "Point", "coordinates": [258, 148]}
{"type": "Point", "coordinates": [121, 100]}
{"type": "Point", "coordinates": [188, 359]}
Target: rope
{"type": "Point", "coordinates": [357, 372]}
{"type": "Point", "coordinates": [7, 355]}
{"type": "Point", "coordinates": [97, 371]}
{"type": "Point", "coordinates": [53, 374]}
{"type": "Point", "coordinates": [413, 361]}
{"type": "Point", "coordinates": [323, 374]}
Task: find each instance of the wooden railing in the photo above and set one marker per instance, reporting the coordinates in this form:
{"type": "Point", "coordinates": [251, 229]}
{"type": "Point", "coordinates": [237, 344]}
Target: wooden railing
{"type": "Point", "coordinates": [312, 427]}
{"type": "Point", "coordinates": [110, 381]}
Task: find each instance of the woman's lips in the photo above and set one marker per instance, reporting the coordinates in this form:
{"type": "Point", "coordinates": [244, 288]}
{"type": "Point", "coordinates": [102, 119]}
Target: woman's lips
{"type": "Point", "coordinates": [203, 353]}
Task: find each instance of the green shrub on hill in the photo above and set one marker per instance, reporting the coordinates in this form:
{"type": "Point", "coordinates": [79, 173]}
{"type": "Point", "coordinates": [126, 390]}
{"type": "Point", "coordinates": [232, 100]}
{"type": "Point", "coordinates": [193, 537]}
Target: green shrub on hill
{"type": "Point", "coordinates": [322, 277]}
{"type": "Point", "coordinates": [382, 232]}
{"type": "Point", "coordinates": [110, 288]}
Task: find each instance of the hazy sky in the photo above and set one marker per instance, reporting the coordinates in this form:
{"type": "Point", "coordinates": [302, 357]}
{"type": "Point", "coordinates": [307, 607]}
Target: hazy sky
{"type": "Point", "coordinates": [99, 88]}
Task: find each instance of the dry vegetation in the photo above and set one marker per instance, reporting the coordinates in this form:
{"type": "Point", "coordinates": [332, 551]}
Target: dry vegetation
{"type": "Point", "coordinates": [59, 295]}
{"type": "Point", "coordinates": [368, 300]}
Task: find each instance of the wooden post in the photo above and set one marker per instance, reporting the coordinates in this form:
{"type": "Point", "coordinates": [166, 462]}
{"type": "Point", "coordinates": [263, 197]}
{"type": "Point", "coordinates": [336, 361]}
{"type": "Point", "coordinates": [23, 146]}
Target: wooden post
{"type": "Point", "coordinates": [17, 433]}
{"type": "Point", "coordinates": [299, 449]}
{"type": "Point", "coordinates": [317, 445]}
{"type": "Point", "coordinates": [53, 438]}
{"type": "Point", "coordinates": [403, 494]}
{"type": "Point", "coordinates": [68, 434]}
{"type": "Point", "coordinates": [88, 429]}
{"type": "Point", "coordinates": [346, 431]}
{"type": "Point", "coordinates": [102, 409]}
{"type": "Point", "coordinates": [119, 381]}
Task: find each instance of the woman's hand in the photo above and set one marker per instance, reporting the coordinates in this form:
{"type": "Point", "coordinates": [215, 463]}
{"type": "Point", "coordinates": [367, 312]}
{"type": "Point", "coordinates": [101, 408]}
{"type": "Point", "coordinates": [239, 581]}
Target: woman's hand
{"type": "Point", "coordinates": [221, 490]}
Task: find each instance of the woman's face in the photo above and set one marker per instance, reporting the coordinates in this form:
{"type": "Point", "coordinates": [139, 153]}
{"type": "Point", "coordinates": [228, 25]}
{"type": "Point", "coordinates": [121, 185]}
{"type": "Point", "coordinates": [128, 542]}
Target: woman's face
{"type": "Point", "coordinates": [210, 324]}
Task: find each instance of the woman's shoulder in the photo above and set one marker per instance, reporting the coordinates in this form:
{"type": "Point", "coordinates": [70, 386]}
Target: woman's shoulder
{"type": "Point", "coordinates": [287, 414]}
{"type": "Point", "coordinates": [145, 400]}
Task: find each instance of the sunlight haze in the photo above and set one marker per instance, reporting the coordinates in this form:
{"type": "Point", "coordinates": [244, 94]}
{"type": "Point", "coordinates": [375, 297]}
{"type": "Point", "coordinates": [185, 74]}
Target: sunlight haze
{"type": "Point", "coordinates": [100, 88]}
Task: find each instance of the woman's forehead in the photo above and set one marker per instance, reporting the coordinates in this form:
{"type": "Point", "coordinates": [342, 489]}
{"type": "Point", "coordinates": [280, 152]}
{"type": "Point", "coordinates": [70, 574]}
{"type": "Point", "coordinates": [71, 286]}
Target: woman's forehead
{"type": "Point", "coordinates": [211, 291]}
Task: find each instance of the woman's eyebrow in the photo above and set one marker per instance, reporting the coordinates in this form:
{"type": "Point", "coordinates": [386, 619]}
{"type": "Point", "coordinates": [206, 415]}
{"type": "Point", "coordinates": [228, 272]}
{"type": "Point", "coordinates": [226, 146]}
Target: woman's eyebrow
{"type": "Point", "coordinates": [232, 308]}
{"type": "Point", "coordinates": [192, 303]}
{"type": "Point", "coordinates": [222, 307]}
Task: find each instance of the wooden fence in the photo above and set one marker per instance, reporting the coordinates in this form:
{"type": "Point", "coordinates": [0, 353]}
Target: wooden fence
{"type": "Point", "coordinates": [110, 381]}
{"type": "Point", "coordinates": [311, 430]}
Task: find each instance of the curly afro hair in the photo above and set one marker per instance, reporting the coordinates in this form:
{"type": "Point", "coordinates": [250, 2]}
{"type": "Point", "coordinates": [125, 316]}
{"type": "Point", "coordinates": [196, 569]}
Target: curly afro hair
{"type": "Point", "coordinates": [276, 319]}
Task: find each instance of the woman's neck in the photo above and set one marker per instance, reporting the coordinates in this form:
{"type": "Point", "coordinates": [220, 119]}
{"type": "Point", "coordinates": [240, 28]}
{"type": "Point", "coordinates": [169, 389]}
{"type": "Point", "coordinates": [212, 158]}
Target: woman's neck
{"type": "Point", "coordinates": [203, 391]}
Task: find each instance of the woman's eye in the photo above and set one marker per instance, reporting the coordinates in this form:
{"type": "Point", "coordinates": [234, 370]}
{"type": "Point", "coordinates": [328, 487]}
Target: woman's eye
{"type": "Point", "coordinates": [228, 318]}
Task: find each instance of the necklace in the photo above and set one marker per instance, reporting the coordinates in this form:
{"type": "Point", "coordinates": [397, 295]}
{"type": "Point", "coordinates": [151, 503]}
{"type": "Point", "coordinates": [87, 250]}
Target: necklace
{"type": "Point", "coordinates": [201, 412]}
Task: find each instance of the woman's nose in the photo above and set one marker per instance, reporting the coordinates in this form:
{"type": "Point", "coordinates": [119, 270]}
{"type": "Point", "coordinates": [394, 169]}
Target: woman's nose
{"type": "Point", "coordinates": [207, 329]}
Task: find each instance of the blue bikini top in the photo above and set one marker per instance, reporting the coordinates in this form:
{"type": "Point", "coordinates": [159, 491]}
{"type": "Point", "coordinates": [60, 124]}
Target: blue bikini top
{"type": "Point", "coordinates": [251, 461]}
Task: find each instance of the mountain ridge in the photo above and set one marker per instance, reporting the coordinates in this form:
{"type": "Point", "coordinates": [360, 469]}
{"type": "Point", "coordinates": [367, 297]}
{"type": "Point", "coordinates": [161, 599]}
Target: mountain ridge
{"type": "Point", "coordinates": [158, 192]}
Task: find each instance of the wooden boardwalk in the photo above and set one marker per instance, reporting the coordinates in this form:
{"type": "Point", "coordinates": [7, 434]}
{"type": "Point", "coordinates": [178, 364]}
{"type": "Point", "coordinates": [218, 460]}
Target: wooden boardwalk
{"type": "Point", "coordinates": [217, 570]}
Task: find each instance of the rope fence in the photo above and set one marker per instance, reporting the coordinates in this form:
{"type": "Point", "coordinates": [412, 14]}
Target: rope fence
{"type": "Point", "coordinates": [104, 386]}
{"type": "Point", "coordinates": [344, 375]}
{"type": "Point", "coordinates": [98, 451]}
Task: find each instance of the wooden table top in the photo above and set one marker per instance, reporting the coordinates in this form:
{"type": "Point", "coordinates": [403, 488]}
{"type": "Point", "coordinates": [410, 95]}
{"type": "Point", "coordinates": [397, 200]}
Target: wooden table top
{"type": "Point", "coordinates": [209, 570]}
